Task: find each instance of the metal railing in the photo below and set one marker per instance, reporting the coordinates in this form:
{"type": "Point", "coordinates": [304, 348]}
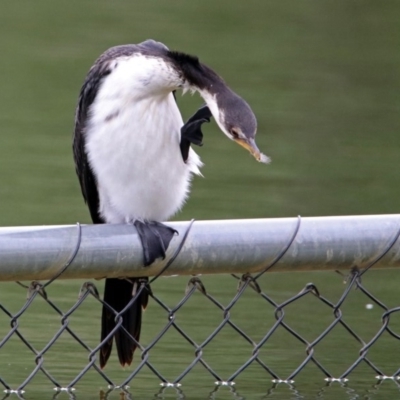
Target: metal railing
{"type": "Point", "coordinates": [245, 249]}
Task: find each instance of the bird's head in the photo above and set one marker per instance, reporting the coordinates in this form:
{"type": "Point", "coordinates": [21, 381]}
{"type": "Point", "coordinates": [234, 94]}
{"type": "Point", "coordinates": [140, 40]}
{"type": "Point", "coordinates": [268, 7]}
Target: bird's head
{"type": "Point", "coordinates": [232, 114]}
{"type": "Point", "coordinates": [236, 119]}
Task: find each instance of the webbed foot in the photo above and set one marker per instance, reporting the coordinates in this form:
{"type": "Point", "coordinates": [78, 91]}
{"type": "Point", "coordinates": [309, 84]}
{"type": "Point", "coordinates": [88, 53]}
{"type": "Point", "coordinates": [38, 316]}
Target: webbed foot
{"type": "Point", "coordinates": [191, 131]}
{"type": "Point", "coordinates": [155, 238]}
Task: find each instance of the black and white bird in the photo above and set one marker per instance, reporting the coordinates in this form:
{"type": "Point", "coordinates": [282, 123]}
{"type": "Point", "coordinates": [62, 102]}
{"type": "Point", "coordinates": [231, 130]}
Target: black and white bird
{"type": "Point", "coordinates": [134, 159]}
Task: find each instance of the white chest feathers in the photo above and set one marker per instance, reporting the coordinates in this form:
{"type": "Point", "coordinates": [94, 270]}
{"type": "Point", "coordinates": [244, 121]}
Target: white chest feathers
{"type": "Point", "coordinates": [132, 142]}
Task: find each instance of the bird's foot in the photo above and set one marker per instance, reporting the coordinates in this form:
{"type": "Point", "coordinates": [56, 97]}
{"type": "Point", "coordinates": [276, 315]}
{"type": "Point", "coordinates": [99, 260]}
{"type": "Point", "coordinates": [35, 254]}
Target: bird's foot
{"type": "Point", "coordinates": [155, 238]}
{"type": "Point", "coordinates": [191, 131]}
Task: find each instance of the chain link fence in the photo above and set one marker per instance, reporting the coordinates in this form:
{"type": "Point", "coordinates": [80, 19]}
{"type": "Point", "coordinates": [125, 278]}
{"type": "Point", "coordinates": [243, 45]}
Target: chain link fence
{"type": "Point", "coordinates": [195, 289]}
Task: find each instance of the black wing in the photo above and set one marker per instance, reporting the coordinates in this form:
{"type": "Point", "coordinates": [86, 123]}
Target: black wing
{"type": "Point", "coordinates": [82, 167]}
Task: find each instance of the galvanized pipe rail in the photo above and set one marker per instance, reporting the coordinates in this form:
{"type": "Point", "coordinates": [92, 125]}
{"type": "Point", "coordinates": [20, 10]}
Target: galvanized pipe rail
{"type": "Point", "coordinates": [212, 247]}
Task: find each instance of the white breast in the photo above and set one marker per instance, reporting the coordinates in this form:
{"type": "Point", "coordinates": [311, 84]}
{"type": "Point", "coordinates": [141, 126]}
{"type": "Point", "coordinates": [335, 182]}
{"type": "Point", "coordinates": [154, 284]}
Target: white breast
{"type": "Point", "coordinates": [132, 142]}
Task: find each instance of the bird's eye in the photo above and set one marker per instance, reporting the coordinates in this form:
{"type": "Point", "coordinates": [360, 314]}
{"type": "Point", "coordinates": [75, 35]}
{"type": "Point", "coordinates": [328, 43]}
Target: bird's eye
{"type": "Point", "coordinates": [235, 133]}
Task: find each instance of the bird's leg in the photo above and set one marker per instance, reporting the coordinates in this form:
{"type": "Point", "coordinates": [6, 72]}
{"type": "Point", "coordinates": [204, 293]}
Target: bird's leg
{"type": "Point", "coordinates": [155, 238]}
{"type": "Point", "coordinates": [191, 131]}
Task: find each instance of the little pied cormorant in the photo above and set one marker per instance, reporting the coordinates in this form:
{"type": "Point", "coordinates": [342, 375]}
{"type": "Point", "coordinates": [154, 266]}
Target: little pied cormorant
{"type": "Point", "coordinates": [133, 156]}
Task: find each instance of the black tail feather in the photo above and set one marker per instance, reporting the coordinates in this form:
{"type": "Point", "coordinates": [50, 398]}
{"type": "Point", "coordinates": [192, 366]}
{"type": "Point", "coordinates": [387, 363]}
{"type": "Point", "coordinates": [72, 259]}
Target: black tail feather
{"type": "Point", "coordinates": [117, 294]}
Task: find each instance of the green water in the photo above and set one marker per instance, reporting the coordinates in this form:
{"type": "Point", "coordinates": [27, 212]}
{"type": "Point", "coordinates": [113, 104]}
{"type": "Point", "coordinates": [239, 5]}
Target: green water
{"type": "Point", "coordinates": [323, 80]}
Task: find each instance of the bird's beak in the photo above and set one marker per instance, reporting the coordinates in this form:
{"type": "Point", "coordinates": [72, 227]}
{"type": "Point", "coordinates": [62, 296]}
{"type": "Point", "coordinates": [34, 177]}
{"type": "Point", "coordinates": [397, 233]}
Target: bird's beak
{"type": "Point", "coordinates": [250, 145]}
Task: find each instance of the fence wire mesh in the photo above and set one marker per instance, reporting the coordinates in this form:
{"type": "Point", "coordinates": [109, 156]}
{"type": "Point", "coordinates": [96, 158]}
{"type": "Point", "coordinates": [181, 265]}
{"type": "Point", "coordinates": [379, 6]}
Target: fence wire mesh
{"type": "Point", "coordinates": [254, 347]}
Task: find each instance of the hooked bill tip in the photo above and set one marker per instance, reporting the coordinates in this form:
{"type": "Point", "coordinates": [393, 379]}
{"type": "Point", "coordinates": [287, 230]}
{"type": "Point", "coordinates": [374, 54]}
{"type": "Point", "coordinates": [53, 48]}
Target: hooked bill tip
{"type": "Point", "coordinates": [262, 158]}
{"type": "Point", "coordinates": [250, 145]}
